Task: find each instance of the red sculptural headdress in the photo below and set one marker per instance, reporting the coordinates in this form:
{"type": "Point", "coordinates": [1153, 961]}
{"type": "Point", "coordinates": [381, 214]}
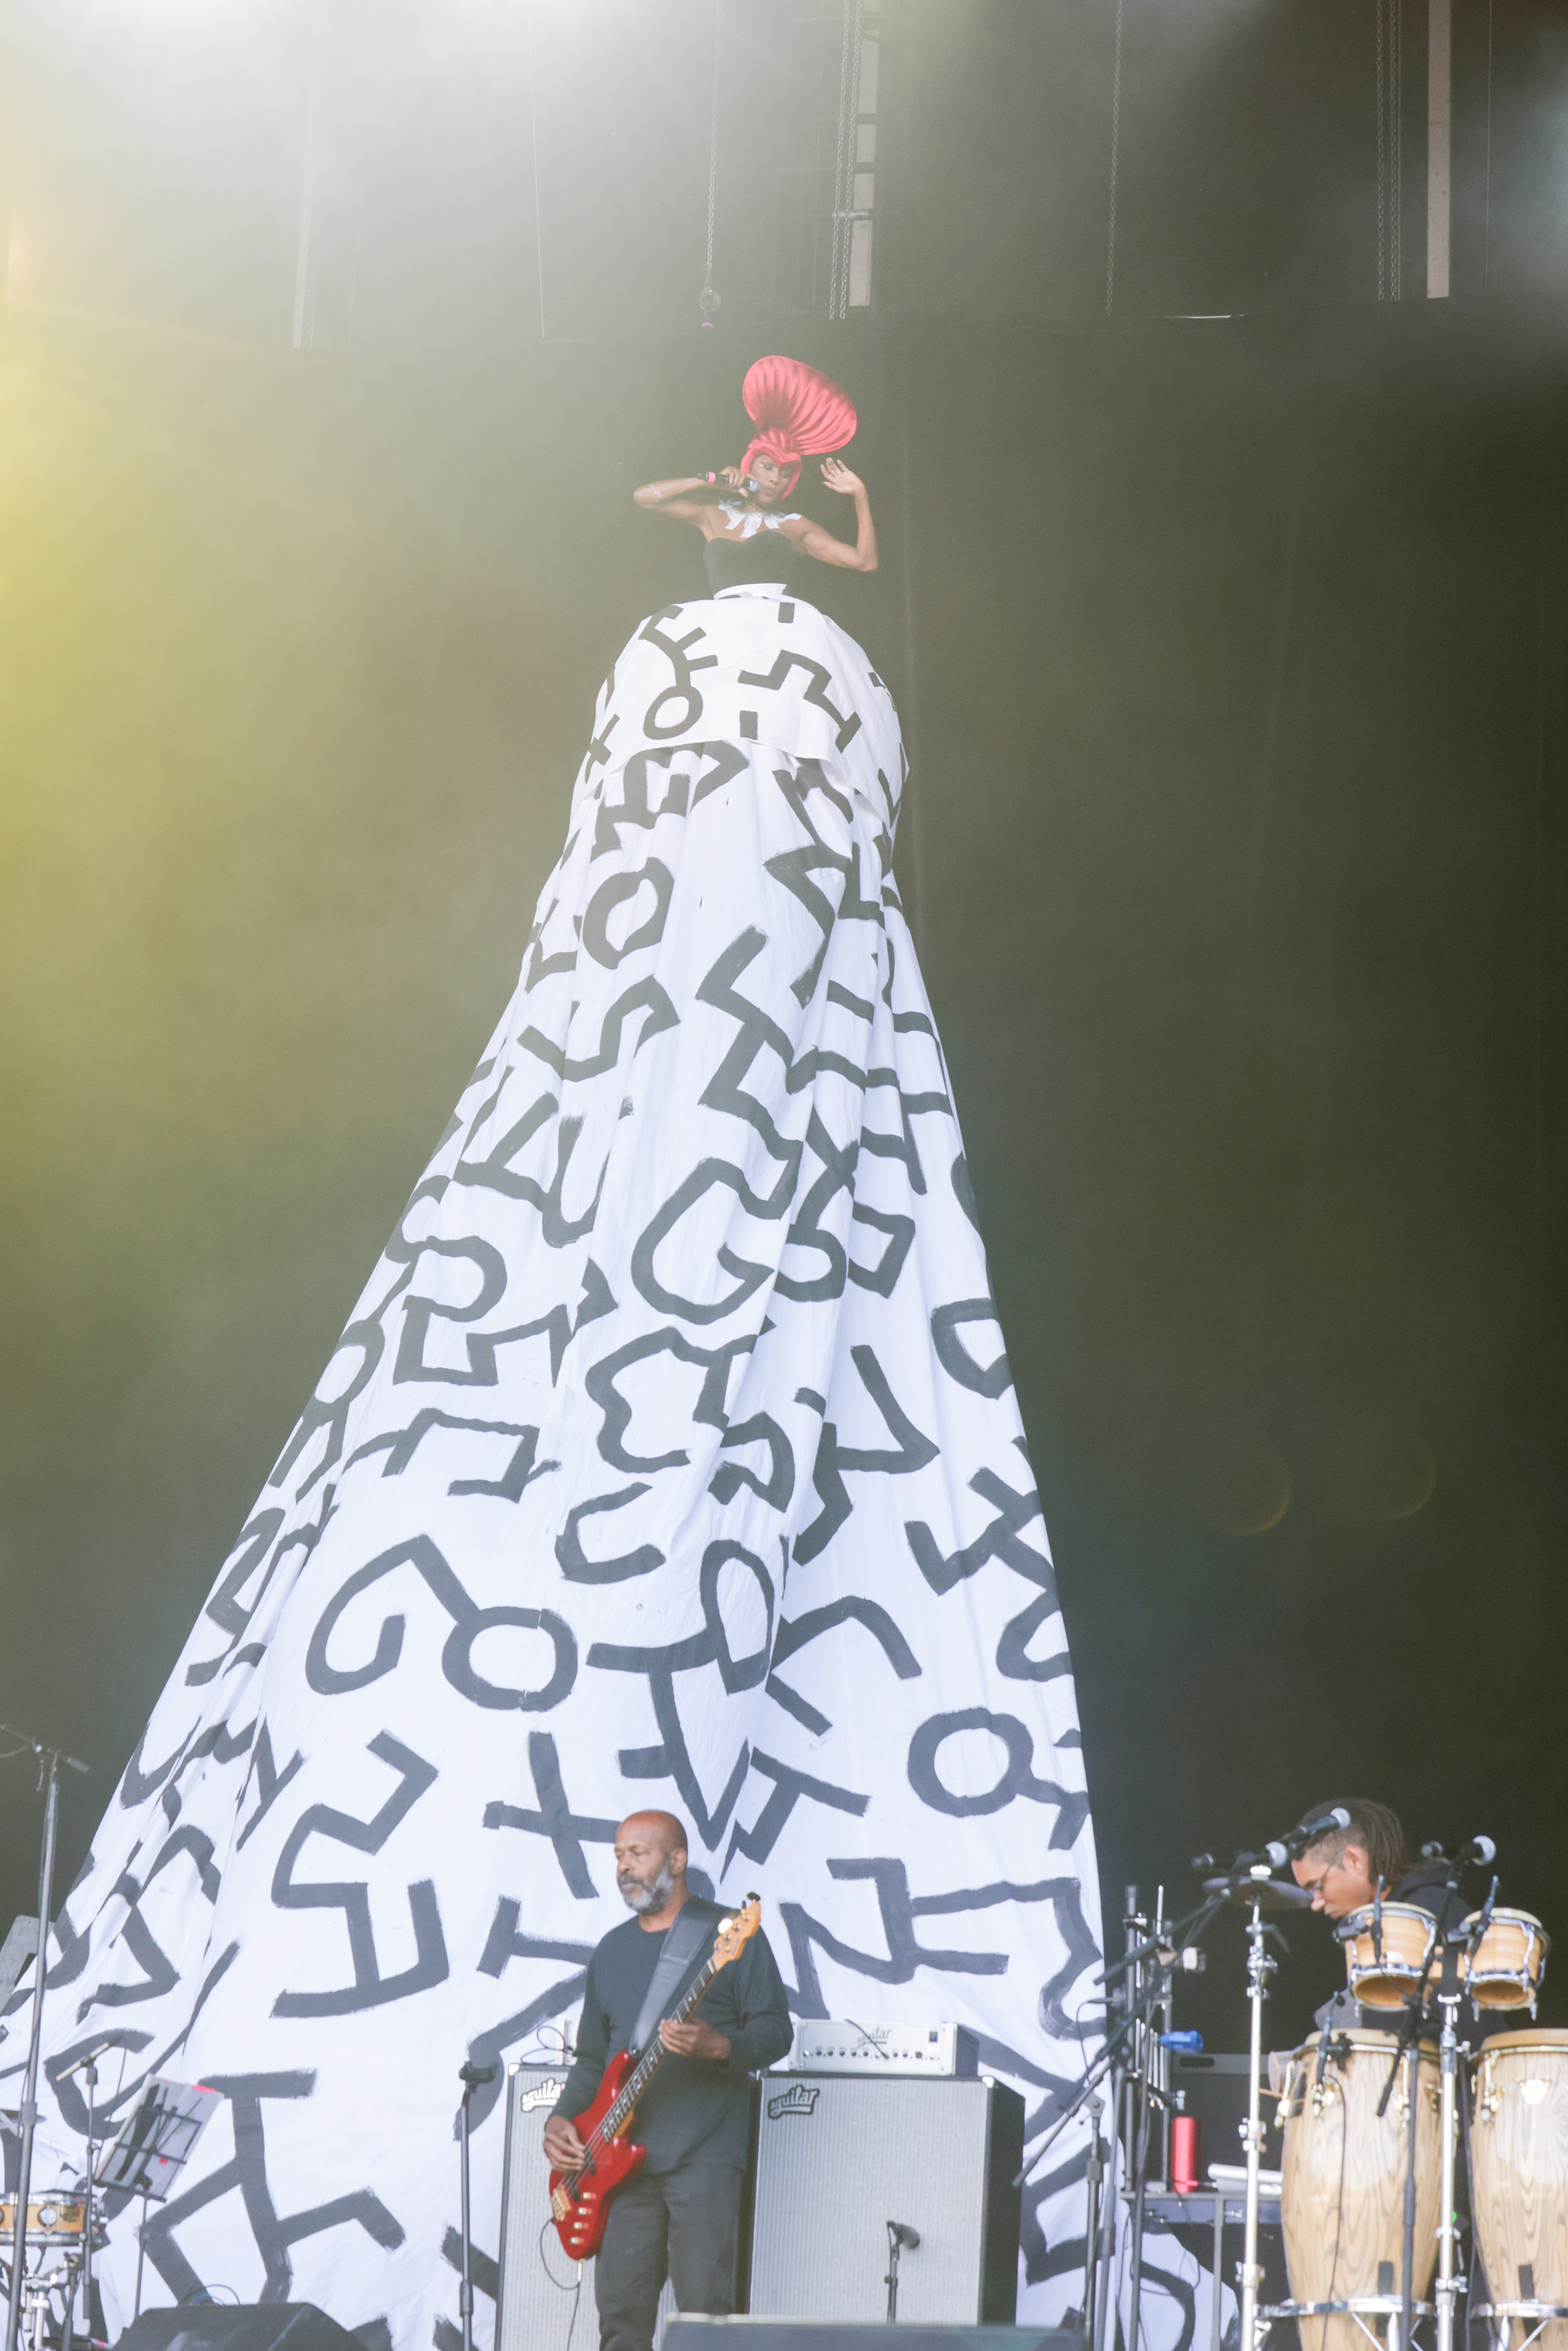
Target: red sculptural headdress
{"type": "Point", "coordinates": [798, 413]}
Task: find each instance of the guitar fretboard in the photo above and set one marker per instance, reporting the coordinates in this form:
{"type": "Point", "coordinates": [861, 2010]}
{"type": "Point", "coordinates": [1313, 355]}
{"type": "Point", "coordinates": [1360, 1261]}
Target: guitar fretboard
{"type": "Point", "coordinates": [652, 2058]}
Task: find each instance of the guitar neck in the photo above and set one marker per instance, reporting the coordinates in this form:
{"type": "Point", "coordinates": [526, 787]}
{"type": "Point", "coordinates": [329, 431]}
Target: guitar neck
{"type": "Point", "coordinates": [654, 2055]}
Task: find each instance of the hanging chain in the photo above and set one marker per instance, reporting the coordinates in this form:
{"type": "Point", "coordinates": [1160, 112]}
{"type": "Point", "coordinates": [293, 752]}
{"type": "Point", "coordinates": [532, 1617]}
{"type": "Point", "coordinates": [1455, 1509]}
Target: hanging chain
{"type": "Point", "coordinates": [1396, 76]}
{"type": "Point", "coordinates": [1389, 63]}
{"type": "Point", "coordinates": [845, 161]}
{"type": "Point", "coordinates": [1382, 163]}
{"type": "Point", "coordinates": [707, 301]}
{"type": "Point", "coordinates": [1115, 164]}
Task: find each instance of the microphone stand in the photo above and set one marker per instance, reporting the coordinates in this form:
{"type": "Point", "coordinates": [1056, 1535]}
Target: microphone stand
{"type": "Point", "coordinates": [1408, 2054]}
{"type": "Point", "coordinates": [1448, 2224]}
{"type": "Point", "coordinates": [1131, 2093]}
{"type": "Point", "coordinates": [1148, 1992]}
{"type": "Point", "coordinates": [1093, 2172]}
{"type": "Point", "coordinates": [50, 1760]}
{"type": "Point", "coordinates": [1261, 1965]}
{"type": "Point", "coordinates": [89, 2075]}
{"type": "Point", "coordinates": [1449, 1998]}
{"type": "Point", "coordinates": [471, 2076]}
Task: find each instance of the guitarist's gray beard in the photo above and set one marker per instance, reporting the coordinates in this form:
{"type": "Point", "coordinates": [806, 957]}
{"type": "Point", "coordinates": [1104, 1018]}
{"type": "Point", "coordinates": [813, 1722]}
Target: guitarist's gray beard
{"type": "Point", "coordinates": [650, 1895]}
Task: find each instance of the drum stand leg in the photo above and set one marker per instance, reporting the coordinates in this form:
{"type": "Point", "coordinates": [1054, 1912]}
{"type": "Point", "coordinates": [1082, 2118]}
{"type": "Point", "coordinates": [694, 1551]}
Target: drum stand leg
{"type": "Point", "coordinates": [1094, 2173]}
{"type": "Point", "coordinates": [1407, 2284]}
{"type": "Point", "coordinates": [1104, 2329]}
{"type": "Point", "coordinates": [1448, 2226]}
{"type": "Point", "coordinates": [1259, 1967]}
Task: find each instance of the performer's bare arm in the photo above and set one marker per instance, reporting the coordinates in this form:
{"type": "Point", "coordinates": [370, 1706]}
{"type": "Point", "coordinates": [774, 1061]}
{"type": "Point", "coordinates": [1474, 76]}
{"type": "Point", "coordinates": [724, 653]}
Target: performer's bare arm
{"type": "Point", "coordinates": [683, 500]}
{"type": "Point", "coordinates": [812, 540]}
{"type": "Point", "coordinates": [673, 498]}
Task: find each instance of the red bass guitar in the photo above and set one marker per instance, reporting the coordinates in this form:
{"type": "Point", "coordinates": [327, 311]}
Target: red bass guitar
{"type": "Point", "coordinates": [581, 2200]}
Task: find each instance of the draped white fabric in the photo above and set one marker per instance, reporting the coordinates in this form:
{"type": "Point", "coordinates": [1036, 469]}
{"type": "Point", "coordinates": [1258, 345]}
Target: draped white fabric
{"type": "Point", "coordinates": [670, 1457]}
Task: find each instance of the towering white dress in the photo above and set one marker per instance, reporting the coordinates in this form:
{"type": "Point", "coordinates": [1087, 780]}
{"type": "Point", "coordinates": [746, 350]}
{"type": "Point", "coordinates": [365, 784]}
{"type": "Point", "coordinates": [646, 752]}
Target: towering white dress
{"type": "Point", "coordinates": [670, 1458]}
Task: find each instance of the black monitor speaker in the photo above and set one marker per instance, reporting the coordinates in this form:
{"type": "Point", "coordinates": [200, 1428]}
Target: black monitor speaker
{"type": "Point", "coordinates": [228, 2327]}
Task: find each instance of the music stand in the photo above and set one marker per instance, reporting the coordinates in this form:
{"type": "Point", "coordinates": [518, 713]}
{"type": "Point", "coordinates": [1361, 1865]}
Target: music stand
{"type": "Point", "coordinates": [152, 2148]}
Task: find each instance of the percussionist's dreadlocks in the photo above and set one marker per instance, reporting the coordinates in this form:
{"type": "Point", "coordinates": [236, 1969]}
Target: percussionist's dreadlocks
{"type": "Point", "coordinates": [1373, 1827]}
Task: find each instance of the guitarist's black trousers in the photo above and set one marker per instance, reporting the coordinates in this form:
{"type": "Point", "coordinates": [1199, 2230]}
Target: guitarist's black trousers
{"type": "Point", "coordinates": [684, 2223]}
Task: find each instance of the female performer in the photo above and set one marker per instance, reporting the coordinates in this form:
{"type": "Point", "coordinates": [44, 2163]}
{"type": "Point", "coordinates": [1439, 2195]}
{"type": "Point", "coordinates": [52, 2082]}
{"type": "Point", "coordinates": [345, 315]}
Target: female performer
{"type": "Point", "coordinates": [734, 549]}
{"type": "Point", "coordinates": [669, 1459]}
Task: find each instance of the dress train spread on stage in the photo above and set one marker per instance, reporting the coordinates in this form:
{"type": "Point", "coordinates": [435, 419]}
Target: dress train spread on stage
{"type": "Point", "coordinates": [670, 1457]}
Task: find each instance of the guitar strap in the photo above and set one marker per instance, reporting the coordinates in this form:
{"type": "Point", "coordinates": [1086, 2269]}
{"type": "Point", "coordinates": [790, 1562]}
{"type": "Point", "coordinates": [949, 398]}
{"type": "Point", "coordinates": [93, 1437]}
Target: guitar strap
{"type": "Point", "coordinates": [683, 1941]}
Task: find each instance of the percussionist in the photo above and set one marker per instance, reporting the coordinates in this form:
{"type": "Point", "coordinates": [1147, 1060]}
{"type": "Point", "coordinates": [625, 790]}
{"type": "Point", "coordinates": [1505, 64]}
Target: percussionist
{"type": "Point", "coordinates": [1344, 1871]}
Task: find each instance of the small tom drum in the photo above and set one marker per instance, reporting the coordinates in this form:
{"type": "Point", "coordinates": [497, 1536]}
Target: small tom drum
{"type": "Point", "coordinates": [51, 2220]}
{"type": "Point", "coordinates": [1505, 1969]}
{"type": "Point", "coordinates": [1388, 1953]}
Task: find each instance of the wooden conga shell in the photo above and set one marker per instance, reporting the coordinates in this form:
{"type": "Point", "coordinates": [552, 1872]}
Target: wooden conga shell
{"type": "Point", "coordinates": [1506, 1967]}
{"type": "Point", "coordinates": [1387, 1948]}
{"type": "Point", "coordinates": [1518, 2168]}
{"type": "Point", "coordinates": [1343, 2199]}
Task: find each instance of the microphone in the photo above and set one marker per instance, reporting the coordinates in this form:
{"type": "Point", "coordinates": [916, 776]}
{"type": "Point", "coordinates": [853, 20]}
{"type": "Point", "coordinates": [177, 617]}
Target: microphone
{"type": "Point", "coordinates": [474, 2077]}
{"type": "Point", "coordinates": [1477, 1851]}
{"type": "Point", "coordinates": [1302, 1840]}
{"type": "Point", "coordinates": [1280, 1850]}
{"type": "Point", "coordinates": [903, 2234]}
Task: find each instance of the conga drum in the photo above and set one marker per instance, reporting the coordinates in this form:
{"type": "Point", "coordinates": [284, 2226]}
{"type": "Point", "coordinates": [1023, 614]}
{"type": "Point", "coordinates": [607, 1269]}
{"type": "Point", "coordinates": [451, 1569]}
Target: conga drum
{"type": "Point", "coordinates": [1518, 2174]}
{"type": "Point", "coordinates": [1389, 1950]}
{"type": "Point", "coordinates": [1342, 2196]}
{"type": "Point", "coordinates": [1505, 1969]}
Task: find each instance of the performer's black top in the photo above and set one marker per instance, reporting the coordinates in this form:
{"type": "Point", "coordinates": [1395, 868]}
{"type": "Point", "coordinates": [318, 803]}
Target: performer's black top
{"type": "Point", "coordinates": [694, 2110]}
{"type": "Point", "coordinates": [1426, 1888]}
{"type": "Point", "coordinates": [737, 562]}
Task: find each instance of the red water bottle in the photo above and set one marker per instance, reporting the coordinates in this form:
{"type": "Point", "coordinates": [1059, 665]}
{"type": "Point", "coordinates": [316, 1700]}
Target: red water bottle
{"type": "Point", "coordinates": [1184, 2153]}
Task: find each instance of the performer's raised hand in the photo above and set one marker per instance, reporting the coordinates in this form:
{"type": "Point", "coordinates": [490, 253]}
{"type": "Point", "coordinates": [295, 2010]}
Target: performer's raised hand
{"type": "Point", "coordinates": [694, 2039]}
{"type": "Point", "coordinates": [838, 476]}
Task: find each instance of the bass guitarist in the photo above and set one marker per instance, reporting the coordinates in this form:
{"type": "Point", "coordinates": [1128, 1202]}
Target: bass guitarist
{"type": "Point", "coordinates": [680, 2214]}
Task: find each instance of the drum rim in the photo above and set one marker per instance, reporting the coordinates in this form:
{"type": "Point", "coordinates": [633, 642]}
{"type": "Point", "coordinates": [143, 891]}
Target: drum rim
{"type": "Point", "coordinates": [1369, 1911]}
{"type": "Point", "coordinates": [1541, 2037]}
{"type": "Point", "coordinates": [1372, 2037]}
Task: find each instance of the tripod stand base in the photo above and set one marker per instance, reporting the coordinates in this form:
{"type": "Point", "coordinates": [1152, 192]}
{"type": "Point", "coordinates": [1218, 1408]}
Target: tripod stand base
{"type": "Point", "coordinates": [1360, 2308]}
{"type": "Point", "coordinates": [1531, 2315]}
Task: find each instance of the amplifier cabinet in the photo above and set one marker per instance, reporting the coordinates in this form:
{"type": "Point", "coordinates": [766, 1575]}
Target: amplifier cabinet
{"type": "Point", "coordinates": [839, 2157]}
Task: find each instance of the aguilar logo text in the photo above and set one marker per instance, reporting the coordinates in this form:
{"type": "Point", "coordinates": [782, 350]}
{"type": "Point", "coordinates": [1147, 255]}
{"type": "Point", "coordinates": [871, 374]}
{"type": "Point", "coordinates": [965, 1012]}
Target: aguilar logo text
{"type": "Point", "coordinates": [798, 2100]}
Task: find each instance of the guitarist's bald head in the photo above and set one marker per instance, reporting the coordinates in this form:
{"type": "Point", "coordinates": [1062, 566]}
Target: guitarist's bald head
{"type": "Point", "coordinates": [670, 1832]}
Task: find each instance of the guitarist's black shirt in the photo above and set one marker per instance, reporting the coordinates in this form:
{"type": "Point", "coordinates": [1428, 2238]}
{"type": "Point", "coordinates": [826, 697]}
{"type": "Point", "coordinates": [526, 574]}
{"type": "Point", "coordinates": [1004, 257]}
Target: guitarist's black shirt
{"type": "Point", "coordinates": [693, 2110]}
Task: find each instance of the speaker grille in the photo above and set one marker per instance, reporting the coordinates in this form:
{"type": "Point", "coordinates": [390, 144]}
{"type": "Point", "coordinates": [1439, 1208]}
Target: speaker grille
{"type": "Point", "coordinates": [838, 2157]}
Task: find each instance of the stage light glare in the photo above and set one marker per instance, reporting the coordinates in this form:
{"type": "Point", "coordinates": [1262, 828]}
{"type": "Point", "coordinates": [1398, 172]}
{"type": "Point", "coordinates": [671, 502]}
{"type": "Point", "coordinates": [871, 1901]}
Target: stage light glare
{"type": "Point", "coordinates": [1380, 1467]}
{"type": "Point", "coordinates": [21, 260]}
{"type": "Point", "coordinates": [1238, 1484]}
